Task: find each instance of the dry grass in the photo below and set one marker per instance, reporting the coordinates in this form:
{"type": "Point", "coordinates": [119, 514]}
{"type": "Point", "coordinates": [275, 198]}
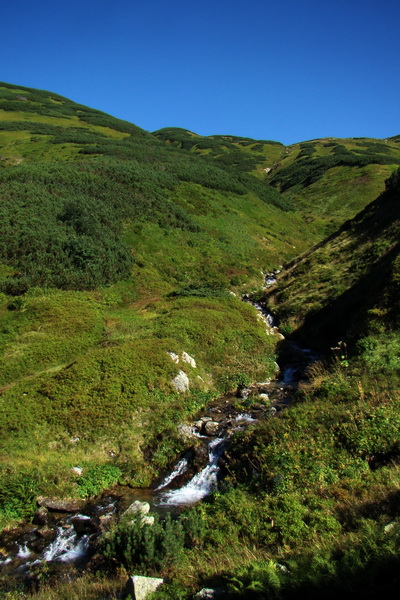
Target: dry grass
{"type": "Point", "coordinates": [87, 587]}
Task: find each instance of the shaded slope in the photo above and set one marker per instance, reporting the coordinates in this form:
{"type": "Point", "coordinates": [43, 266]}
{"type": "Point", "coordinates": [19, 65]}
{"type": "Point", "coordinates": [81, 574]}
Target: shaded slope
{"type": "Point", "coordinates": [344, 284]}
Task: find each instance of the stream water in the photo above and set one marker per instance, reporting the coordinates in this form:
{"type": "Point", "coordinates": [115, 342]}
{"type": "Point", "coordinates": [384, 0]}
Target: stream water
{"type": "Point", "coordinates": [64, 538]}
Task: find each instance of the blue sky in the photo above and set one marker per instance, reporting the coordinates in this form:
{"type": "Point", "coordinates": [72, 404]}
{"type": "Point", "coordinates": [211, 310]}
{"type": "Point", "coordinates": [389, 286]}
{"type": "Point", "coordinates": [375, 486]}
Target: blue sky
{"type": "Point", "coordinates": [287, 71]}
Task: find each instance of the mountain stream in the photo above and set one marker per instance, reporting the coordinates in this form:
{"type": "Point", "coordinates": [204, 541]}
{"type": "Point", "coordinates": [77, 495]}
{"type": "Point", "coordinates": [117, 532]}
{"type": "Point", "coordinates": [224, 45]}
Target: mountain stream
{"type": "Point", "coordinates": [67, 536]}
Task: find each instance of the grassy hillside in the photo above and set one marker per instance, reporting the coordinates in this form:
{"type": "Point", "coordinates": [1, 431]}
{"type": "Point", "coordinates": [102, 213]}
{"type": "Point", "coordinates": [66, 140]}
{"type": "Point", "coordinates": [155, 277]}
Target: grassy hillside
{"type": "Point", "coordinates": [349, 283]}
{"type": "Point", "coordinates": [117, 249]}
{"type": "Point", "coordinates": [310, 502]}
{"type": "Point", "coordinates": [332, 179]}
{"type": "Point", "coordinates": [328, 180]}
{"type": "Point", "coordinates": [120, 247]}
{"type": "Point", "coordinates": [244, 154]}
{"type": "Point", "coordinates": [314, 493]}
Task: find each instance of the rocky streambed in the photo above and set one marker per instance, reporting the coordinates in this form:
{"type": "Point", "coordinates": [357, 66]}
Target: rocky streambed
{"type": "Point", "coordinates": [63, 535]}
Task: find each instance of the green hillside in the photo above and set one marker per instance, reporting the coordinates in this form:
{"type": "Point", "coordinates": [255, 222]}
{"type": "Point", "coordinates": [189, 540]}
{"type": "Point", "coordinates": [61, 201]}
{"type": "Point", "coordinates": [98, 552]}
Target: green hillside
{"type": "Point", "coordinates": [333, 179]}
{"type": "Point", "coordinates": [309, 506]}
{"type": "Point", "coordinates": [120, 249]}
{"type": "Point", "coordinates": [323, 480]}
{"type": "Point", "coordinates": [348, 283]}
{"type": "Point", "coordinates": [117, 249]}
{"type": "Point", "coordinates": [244, 154]}
{"type": "Point", "coordinates": [327, 180]}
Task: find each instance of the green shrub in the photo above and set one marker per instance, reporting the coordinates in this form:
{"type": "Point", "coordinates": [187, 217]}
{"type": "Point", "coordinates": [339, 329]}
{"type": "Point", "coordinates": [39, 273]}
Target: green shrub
{"type": "Point", "coordinates": [145, 548]}
{"type": "Point", "coordinates": [96, 478]}
{"type": "Point", "coordinates": [18, 493]}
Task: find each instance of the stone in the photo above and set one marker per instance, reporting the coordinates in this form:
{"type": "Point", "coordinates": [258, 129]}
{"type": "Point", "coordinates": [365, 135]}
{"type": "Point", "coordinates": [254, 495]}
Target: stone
{"type": "Point", "coordinates": [390, 527]}
{"type": "Point", "coordinates": [189, 360]}
{"type": "Point", "coordinates": [211, 427]}
{"type": "Point", "coordinates": [181, 382]}
{"type": "Point", "coordinates": [244, 393]}
{"type": "Point", "coordinates": [263, 397]}
{"type": "Point", "coordinates": [264, 383]}
{"type": "Point", "coordinates": [48, 533]}
{"type": "Point", "coordinates": [138, 507]}
{"type": "Point", "coordinates": [257, 406]}
{"type": "Point", "coordinates": [61, 505]}
{"type": "Point", "coordinates": [200, 459]}
{"type": "Point", "coordinates": [208, 594]}
{"type": "Point", "coordinates": [85, 525]}
{"type": "Point", "coordinates": [272, 411]}
{"type": "Point", "coordinates": [186, 431]}
{"type": "Point", "coordinates": [146, 520]}
{"type": "Point", "coordinates": [77, 470]}
{"type": "Point", "coordinates": [40, 517]}
{"type": "Point", "coordinates": [139, 587]}
{"type": "Point", "coordinates": [174, 357]}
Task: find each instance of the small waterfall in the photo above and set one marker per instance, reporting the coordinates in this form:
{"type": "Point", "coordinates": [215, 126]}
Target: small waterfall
{"type": "Point", "coordinates": [23, 551]}
{"type": "Point", "coordinates": [264, 315]}
{"type": "Point", "coordinates": [201, 484]}
{"type": "Point", "coordinates": [179, 469]}
{"type": "Point", "coordinates": [245, 417]}
{"type": "Point", "coordinates": [270, 281]}
{"type": "Point", "coordinates": [66, 547]}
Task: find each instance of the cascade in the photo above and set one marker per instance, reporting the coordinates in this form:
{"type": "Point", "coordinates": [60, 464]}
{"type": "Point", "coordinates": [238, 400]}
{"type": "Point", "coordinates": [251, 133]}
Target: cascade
{"type": "Point", "coordinates": [202, 483]}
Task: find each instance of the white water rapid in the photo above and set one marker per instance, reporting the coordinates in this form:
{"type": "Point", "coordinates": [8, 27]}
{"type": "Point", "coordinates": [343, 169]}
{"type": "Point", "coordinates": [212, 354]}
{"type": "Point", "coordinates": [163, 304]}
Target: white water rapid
{"type": "Point", "coordinates": [180, 468]}
{"type": "Point", "coordinates": [245, 417]}
{"type": "Point", "coordinates": [201, 484]}
{"type": "Point", "coordinates": [66, 547]}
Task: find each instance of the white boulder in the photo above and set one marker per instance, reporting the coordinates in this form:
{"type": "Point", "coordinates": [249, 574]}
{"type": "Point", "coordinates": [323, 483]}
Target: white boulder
{"type": "Point", "coordinates": [139, 587]}
{"type": "Point", "coordinates": [188, 359]}
{"type": "Point", "coordinates": [174, 357]}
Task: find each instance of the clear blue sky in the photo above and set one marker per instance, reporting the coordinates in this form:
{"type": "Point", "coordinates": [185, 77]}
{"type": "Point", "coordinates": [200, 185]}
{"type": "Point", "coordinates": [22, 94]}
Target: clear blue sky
{"type": "Point", "coordinates": [287, 70]}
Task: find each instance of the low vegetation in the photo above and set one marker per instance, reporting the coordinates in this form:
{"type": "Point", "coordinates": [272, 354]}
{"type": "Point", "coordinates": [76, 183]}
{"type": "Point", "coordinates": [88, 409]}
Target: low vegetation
{"type": "Point", "coordinates": [121, 247]}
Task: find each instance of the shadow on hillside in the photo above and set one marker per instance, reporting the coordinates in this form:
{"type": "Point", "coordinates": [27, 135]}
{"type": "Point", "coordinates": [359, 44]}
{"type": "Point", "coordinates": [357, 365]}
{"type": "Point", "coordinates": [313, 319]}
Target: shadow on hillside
{"type": "Point", "coordinates": [377, 579]}
{"type": "Point", "coordinates": [346, 316]}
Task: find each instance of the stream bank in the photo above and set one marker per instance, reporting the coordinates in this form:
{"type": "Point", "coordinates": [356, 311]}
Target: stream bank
{"type": "Point", "coordinates": [63, 539]}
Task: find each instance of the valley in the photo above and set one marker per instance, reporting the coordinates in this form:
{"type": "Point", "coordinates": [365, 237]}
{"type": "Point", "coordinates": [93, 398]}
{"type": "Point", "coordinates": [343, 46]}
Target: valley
{"type": "Point", "coordinates": [125, 257]}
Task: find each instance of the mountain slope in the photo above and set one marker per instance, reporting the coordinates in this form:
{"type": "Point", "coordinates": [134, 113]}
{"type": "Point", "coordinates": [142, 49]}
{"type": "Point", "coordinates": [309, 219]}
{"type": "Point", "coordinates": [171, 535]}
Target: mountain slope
{"type": "Point", "coordinates": [327, 180]}
{"type": "Point", "coordinates": [315, 492]}
{"type": "Point", "coordinates": [333, 179]}
{"type": "Point", "coordinates": [117, 250]}
{"type": "Point", "coordinates": [336, 290]}
{"type": "Point", "coordinates": [123, 179]}
{"type": "Point", "coordinates": [119, 256]}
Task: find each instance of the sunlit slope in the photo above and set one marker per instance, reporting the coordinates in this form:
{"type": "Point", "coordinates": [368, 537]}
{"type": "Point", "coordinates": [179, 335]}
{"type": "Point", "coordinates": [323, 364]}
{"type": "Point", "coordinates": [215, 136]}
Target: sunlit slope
{"type": "Point", "coordinates": [245, 154]}
{"type": "Point", "coordinates": [117, 249]}
{"type": "Point", "coordinates": [327, 180]}
{"type": "Point", "coordinates": [91, 196]}
{"type": "Point", "coordinates": [332, 179]}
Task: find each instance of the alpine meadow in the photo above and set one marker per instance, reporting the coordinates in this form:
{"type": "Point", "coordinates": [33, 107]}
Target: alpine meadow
{"type": "Point", "coordinates": [179, 310]}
